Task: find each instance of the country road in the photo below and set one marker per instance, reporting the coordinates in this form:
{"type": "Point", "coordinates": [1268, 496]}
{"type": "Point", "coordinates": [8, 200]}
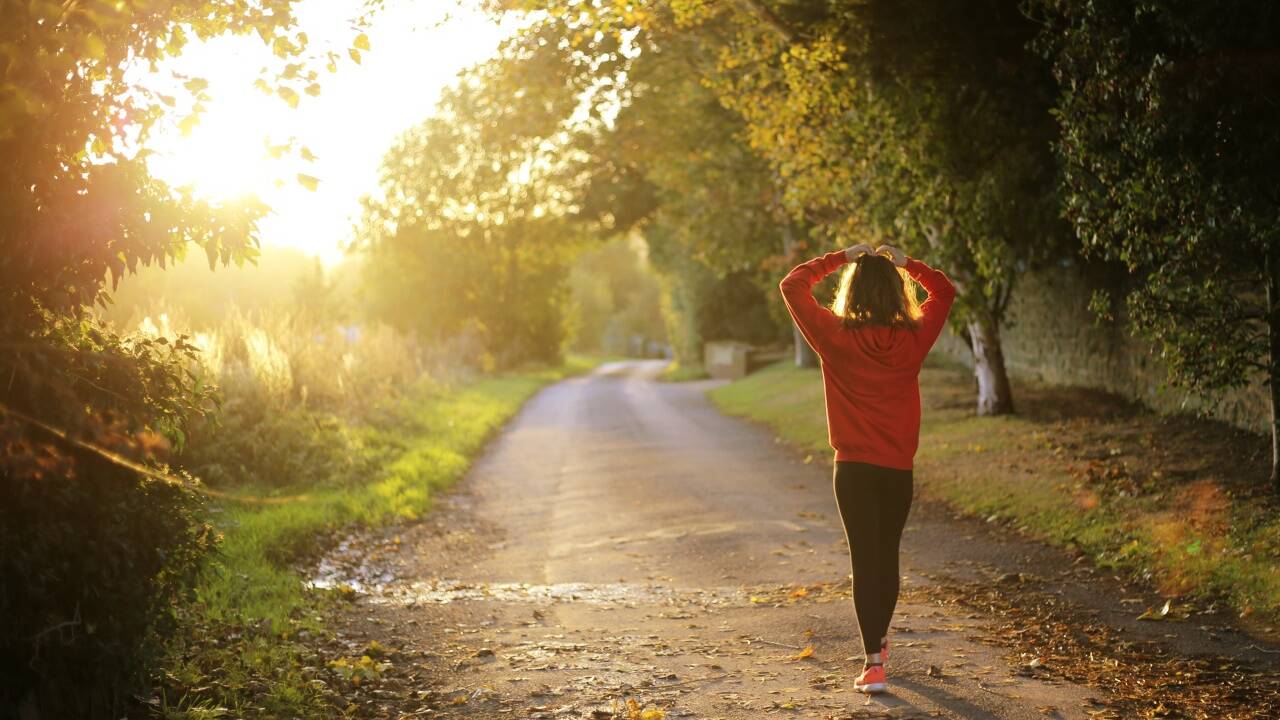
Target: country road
{"type": "Point", "coordinates": [623, 539]}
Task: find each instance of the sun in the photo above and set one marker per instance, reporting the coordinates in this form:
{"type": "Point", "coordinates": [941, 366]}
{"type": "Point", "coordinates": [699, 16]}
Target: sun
{"type": "Point", "coordinates": [226, 156]}
{"type": "Point", "coordinates": [336, 140]}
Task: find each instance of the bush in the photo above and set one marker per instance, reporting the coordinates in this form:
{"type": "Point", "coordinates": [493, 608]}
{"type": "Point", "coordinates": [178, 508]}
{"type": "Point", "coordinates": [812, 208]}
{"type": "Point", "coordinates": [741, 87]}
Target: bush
{"type": "Point", "coordinates": [292, 388]}
{"type": "Point", "coordinates": [277, 447]}
{"type": "Point", "coordinates": [94, 552]}
{"type": "Point", "coordinates": [93, 558]}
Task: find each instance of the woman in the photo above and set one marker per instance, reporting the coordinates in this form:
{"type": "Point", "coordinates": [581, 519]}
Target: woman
{"type": "Point", "coordinates": [871, 348]}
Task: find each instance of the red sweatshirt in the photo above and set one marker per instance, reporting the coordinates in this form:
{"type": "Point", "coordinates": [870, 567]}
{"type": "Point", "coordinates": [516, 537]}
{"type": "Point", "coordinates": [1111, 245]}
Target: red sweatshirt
{"type": "Point", "coordinates": [870, 374]}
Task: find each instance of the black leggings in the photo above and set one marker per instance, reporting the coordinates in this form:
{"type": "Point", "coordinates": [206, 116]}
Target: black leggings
{"type": "Point", "coordinates": [873, 502]}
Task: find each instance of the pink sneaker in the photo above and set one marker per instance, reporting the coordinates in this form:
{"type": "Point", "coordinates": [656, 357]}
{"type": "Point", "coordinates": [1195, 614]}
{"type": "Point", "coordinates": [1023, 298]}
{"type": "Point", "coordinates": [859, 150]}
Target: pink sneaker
{"type": "Point", "coordinates": [872, 679]}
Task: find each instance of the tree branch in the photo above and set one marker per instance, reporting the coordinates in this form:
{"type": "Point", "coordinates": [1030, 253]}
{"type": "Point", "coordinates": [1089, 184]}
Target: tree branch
{"type": "Point", "coordinates": [767, 16]}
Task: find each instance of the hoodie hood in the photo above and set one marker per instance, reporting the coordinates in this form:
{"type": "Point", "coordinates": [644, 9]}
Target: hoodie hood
{"type": "Point", "coordinates": [888, 348]}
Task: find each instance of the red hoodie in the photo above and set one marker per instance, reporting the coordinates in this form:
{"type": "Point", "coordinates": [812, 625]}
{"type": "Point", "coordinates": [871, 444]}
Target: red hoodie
{"type": "Point", "coordinates": [870, 374]}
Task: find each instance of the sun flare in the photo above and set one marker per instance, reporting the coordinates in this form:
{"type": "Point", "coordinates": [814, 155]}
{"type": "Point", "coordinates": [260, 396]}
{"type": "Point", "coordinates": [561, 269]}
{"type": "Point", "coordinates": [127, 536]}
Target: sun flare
{"type": "Point", "coordinates": [312, 163]}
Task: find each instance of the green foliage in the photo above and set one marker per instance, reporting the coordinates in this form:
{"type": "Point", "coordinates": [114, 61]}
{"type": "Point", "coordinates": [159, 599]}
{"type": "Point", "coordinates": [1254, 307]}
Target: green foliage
{"type": "Point", "coordinates": [77, 200]}
{"type": "Point", "coordinates": [276, 448]}
{"type": "Point", "coordinates": [93, 561]}
{"type": "Point", "coordinates": [289, 387]}
{"type": "Point", "coordinates": [93, 552]}
{"type": "Point", "coordinates": [631, 139]}
{"type": "Point", "coordinates": [616, 298]}
{"type": "Point", "coordinates": [734, 309]}
{"type": "Point", "coordinates": [922, 123]}
{"type": "Point", "coordinates": [474, 224]}
{"type": "Point", "coordinates": [716, 230]}
{"type": "Point", "coordinates": [1169, 148]}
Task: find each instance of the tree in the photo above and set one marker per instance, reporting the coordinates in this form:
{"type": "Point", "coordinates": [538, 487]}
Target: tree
{"type": "Point", "coordinates": [674, 163]}
{"type": "Point", "coordinates": [924, 123]}
{"type": "Point", "coordinates": [716, 228]}
{"type": "Point", "coordinates": [655, 151]}
{"type": "Point", "coordinates": [472, 227]}
{"type": "Point", "coordinates": [96, 543]}
{"type": "Point", "coordinates": [1168, 117]}
{"type": "Point", "coordinates": [616, 298]}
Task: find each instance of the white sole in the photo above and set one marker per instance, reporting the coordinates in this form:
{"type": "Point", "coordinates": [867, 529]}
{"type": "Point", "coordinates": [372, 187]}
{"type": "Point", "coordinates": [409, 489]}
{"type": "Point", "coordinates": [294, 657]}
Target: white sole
{"type": "Point", "coordinates": [871, 687]}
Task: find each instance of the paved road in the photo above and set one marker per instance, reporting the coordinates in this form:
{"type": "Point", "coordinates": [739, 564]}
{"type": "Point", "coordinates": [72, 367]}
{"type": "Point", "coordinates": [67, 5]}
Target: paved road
{"type": "Point", "coordinates": [623, 539]}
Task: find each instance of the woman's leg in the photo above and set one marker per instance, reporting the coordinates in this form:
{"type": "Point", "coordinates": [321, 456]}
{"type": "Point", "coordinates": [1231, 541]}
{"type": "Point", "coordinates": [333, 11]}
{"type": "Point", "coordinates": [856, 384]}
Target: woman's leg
{"type": "Point", "coordinates": [861, 520]}
{"type": "Point", "coordinates": [873, 502]}
{"type": "Point", "coordinates": [894, 492]}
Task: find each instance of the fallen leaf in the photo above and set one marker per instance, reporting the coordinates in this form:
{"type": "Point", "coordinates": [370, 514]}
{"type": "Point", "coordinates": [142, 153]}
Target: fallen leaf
{"type": "Point", "coordinates": [1152, 614]}
{"type": "Point", "coordinates": [806, 652]}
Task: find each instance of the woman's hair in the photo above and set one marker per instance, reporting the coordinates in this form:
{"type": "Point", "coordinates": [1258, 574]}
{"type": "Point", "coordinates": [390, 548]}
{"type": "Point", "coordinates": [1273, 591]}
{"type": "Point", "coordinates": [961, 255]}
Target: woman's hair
{"type": "Point", "coordinates": [874, 291]}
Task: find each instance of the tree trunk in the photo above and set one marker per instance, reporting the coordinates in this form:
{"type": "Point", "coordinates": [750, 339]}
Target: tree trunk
{"type": "Point", "coordinates": [982, 335]}
{"type": "Point", "coordinates": [994, 394]}
{"type": "Point", "coordinates": [805, 356]}
{"type": "Point", "coordinates": [1273, 367]}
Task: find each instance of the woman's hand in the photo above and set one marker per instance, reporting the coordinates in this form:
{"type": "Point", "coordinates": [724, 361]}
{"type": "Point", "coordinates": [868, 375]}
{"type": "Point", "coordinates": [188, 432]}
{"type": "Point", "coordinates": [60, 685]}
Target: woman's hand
{"type": "Point", "coordinates": [857, 251]}
{"type": "Point", "coordinates": [898, 257]}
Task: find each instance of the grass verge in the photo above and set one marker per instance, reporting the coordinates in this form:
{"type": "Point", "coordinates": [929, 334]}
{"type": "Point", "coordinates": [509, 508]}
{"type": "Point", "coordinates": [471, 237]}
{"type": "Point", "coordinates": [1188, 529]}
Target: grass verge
{"type": "Point", "coordinates": [247, 643]}
{"type": "Point", "coordinates": [677, 372]}
{"type": "Point", "coordinates": [1177, 501]}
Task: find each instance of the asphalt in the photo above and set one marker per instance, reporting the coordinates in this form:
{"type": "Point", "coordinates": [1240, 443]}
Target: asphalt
{"type": "Point", "coordinates": [623, 540]}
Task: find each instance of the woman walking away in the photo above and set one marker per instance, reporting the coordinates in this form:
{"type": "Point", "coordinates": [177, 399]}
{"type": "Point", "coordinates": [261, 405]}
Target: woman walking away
{"type": "Point", "coordinates": [871, 348]}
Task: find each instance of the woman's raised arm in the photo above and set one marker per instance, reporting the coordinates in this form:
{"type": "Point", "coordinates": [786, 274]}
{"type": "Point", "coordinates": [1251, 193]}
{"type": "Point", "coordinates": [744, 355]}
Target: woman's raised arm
{"type": "Point", "coordinates": [942, 294]}
{"type": "Point", "coordinates": [816, 323]}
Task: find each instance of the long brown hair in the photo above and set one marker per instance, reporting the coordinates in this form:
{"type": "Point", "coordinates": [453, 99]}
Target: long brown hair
{"type": "Point", "coordinates": [874, 291]}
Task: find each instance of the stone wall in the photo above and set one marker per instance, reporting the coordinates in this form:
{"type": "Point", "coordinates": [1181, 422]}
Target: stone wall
{"type": "Point", "coordinates": [1050, 336]}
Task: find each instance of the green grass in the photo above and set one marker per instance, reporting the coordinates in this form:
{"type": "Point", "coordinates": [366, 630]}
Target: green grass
{"type": "Point", "coordinates": [676, 372]}
{"type": "Point", "coordinates": [1204, 537]}
{"type": "Point", "coordinates": [251, 591]}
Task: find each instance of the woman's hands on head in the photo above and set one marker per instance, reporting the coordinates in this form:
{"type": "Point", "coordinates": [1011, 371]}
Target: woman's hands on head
{"type": "Point", "coordinates": [898, 257]}
{"type": "Point", "coordinates": [857, 251]}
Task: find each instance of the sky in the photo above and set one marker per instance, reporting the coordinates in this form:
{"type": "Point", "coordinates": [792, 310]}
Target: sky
{"type": "Point", "coordinates": [416, 49]}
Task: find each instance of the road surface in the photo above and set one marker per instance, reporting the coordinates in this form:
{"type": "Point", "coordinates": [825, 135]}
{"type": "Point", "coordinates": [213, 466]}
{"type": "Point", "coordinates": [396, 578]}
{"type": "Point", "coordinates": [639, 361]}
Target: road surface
{"type": "Point", "coordinates": [623, 540]}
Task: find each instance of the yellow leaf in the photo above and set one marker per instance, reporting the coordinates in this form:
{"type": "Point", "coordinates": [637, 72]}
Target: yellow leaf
{"type": "Point", "coordinates": [188, 123]}
{"type": "Point", "coordinates": [361, 42]}
{"type": "Point", "coordinates": [289, 95]}
{"type": "Point", "coordinates": [799, 592]}
{"type": "Point", "coordinates": [806, 652]}
{"type": "Point", "coordinates": [310, 182]}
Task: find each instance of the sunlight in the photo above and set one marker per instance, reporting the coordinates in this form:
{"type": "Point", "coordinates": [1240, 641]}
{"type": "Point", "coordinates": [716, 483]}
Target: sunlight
{"type": "Point", "coordinates": [415, 50]}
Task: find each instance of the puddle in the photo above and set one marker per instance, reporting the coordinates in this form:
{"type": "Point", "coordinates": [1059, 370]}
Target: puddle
{"type": "Point", "coordinates": [601, 594]}
{"type": "Point", "coordinates": [676, 533]}
{"type": "Point", "coordinates": [353, 564]}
